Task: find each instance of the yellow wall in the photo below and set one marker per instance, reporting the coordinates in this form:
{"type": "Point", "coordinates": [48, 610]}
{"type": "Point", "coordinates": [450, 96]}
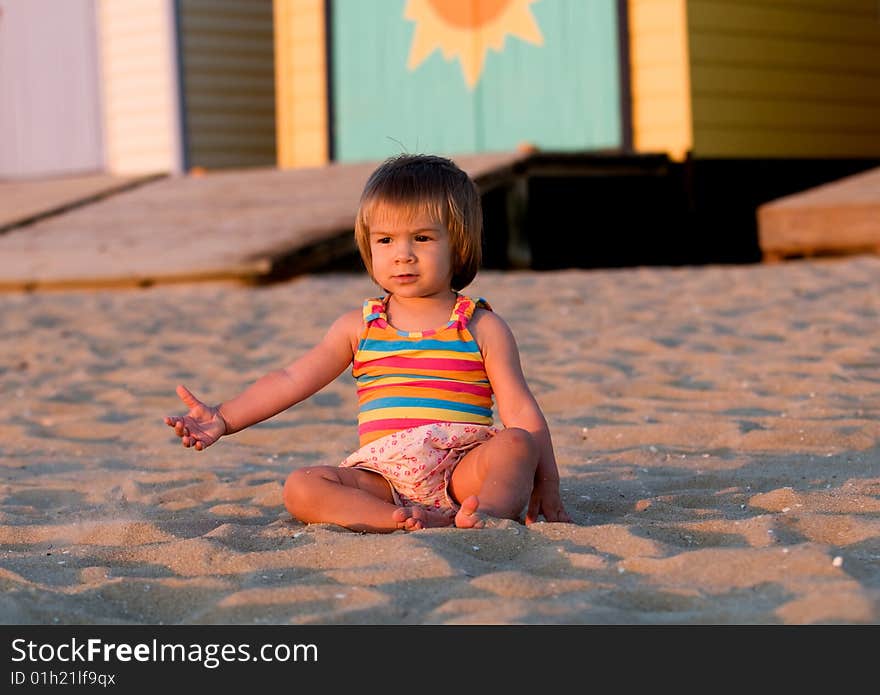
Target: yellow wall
{"type": "Point", "coordinates": [661, 118]}
{"type": "Point", "coordinates": [139, 86]}
{"type": "Point", "coordinates": [227, 58]}
{"type": "Point", "coordinates": [301, 83]}
{"type": "Point", "coordinates": [788, 78]}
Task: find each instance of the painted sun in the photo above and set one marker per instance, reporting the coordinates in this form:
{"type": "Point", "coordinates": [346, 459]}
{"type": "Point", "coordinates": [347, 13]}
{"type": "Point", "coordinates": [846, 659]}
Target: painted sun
{"type": "Point", "coordinates": [467, 29]}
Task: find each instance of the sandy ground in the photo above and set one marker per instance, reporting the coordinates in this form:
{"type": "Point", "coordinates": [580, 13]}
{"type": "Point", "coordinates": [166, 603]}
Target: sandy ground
{"type": "Point", "coordinates": [717, 430]}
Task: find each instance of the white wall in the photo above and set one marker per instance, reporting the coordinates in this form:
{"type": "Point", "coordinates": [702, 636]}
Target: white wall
{"type": "Point", "coordinates": [50, 120]}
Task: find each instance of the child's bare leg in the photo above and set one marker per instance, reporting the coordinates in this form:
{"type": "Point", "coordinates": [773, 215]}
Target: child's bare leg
{"type": "Point", "coordinates": [357, 499]}
{"type": "Point", "coordinates": [499, 475]}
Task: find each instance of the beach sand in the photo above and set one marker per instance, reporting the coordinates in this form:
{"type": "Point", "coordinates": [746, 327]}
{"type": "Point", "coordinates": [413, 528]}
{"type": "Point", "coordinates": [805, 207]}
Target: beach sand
{"type": "Point", "coordinates": [717, 430]}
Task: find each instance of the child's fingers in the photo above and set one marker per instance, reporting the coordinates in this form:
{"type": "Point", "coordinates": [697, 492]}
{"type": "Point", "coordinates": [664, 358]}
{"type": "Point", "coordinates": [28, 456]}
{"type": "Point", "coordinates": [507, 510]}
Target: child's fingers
{"type": "Point", "coordinates": [557, 515]}
{"type": "Point", "coordinates": [187, 438]}
{"type": "Point", "coordinates": [191, 442]}
{"type": "Point", "coordinates": [187, 397]}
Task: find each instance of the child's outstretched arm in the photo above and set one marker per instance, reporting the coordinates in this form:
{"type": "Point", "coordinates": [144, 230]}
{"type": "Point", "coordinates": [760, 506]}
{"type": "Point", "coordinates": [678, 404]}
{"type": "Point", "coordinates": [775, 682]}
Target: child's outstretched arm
{"type": "Point", "coordinates": [517, 407]}
{"type": "Point", "coordinates": [272, 393]}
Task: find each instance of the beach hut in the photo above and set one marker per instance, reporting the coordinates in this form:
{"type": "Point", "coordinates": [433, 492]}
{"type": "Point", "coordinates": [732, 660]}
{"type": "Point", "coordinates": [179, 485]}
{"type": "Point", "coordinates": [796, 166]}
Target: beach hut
{"type": "Point", "coordinates": [698, 79]}
{"type": "Point", "coordinates": [747, 101]}
{"type": "Point", "coordinates": [759, 99]}
{"type": "Point", "coordinates": [135, 86]}
{"type": "Point", "coordinates": [363, 80]}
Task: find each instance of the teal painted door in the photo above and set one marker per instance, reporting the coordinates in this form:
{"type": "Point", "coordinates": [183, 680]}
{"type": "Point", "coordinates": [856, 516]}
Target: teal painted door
{"type": "Point", "coordinates": [464, 76]}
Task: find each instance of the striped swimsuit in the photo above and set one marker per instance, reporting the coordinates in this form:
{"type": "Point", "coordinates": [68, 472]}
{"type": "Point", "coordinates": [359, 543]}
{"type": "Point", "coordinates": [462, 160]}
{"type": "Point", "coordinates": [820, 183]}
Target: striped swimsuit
{"type": "Point", "coordinates": [424, 401]}
{"type": "Point", "coordinates": [407, 379]}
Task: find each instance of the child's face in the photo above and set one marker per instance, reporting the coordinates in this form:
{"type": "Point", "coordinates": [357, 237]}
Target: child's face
{"type": "Point", "coordinates": [411, 252]}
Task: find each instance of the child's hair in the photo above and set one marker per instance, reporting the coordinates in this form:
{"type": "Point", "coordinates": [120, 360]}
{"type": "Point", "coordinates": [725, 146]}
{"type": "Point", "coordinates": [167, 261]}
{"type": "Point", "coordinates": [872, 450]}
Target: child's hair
{"type": "Point", "coordinates": [435, 185]}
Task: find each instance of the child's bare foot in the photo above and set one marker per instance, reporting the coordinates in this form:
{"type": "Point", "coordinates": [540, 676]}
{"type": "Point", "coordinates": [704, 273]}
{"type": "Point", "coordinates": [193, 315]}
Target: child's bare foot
{"type": "Point", "coordinates": [469, 517]}
{"type": "Point", "coordinates": [415, 518]}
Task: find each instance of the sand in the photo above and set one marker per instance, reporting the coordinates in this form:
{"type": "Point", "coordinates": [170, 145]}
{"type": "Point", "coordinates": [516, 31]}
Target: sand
{"type": "Point", "coordinates": [717, 431]}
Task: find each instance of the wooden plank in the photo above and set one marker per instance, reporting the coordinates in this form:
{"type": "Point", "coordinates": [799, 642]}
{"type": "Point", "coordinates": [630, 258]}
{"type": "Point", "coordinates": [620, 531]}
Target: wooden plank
{"type": "Point", "coordinates": [659, 75]}
{"type": "Point", "coordinates": [866, 9]}
{"type": "Point", "coordinates": [659, 79]}
{"type": "Point", "coordinates": [766, 19]}
{"type": "Point", "coordinates": [139, 87]}
{"type": "Point", "coordinates": [246, 225]}
{"type": "Point", "coordinates": [300, 83]}
{"type": "Point", "coordinates": [659, 49]}
{"type": "Point", "coordinates": [803, 115]}
{"type": "Point", "coordinates": [783, 142]}
{"type": "Point", "coordinates": [653, 16]}
{"type": "Point", "coordinates": [226, 50]}
{"type": "Point", "coordinates": [786, 52]}
{"type": "Point", "coordinates": [27, 201]}
{"type": "Point", "coordinates": [782, 83]}
{"type": "Point", "coordinates": [226, 8]}
{"type": "Point", "coordinates": [839, 217]}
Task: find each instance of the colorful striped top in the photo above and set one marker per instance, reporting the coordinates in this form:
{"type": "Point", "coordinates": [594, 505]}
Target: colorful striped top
{"type": "Point", "coordinates": [412, 378]}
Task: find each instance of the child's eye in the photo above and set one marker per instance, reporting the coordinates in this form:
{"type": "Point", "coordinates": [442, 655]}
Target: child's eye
{"type": "Point", "coordinates": [383, 240]}
{"type": "Point", "coordinates": [423, 237]}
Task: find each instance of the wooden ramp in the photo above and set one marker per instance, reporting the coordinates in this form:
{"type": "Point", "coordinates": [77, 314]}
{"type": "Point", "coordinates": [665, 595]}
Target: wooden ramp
{"type": "Point", "coordinates": [25, 202]}
{"type": "Point", "coordinates": [841, 217]}
{"type": "Point", "coordinates": [244, 225]}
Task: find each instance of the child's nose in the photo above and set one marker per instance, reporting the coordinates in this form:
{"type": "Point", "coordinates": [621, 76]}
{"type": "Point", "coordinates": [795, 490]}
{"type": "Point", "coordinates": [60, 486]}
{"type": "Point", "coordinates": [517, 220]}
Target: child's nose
{"type": "Point", "coordinates": [405, 251]}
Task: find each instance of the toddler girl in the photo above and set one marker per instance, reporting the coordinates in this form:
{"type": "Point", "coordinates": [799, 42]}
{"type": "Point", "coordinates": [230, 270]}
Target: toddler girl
{"type": "Point", "coordinates": [428, 361]}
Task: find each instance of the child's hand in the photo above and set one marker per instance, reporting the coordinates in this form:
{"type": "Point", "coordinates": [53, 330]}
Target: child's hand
{"type": "Point", "coordinates": [201, 426]}
{"type": "Point", "coordinates": [545, 500]}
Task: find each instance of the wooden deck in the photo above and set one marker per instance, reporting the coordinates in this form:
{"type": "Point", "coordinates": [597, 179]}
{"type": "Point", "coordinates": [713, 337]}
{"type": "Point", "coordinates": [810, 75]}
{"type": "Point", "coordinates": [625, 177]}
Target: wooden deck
{"type": "Point", "coordinates": [25, 202]}
{"type": "Point", "coordinates": [837, 218]}
{"type": "Point", "coordinates": [243, 225]}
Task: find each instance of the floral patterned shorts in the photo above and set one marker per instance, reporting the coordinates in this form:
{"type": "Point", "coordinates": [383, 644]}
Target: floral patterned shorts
{"type": "Point", "coordinates": [418, 462]}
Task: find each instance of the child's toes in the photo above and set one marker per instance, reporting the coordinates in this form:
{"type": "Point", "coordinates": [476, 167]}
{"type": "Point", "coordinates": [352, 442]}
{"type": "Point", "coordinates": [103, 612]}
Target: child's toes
{"type": "Point", "coordinates": [469, 505]}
